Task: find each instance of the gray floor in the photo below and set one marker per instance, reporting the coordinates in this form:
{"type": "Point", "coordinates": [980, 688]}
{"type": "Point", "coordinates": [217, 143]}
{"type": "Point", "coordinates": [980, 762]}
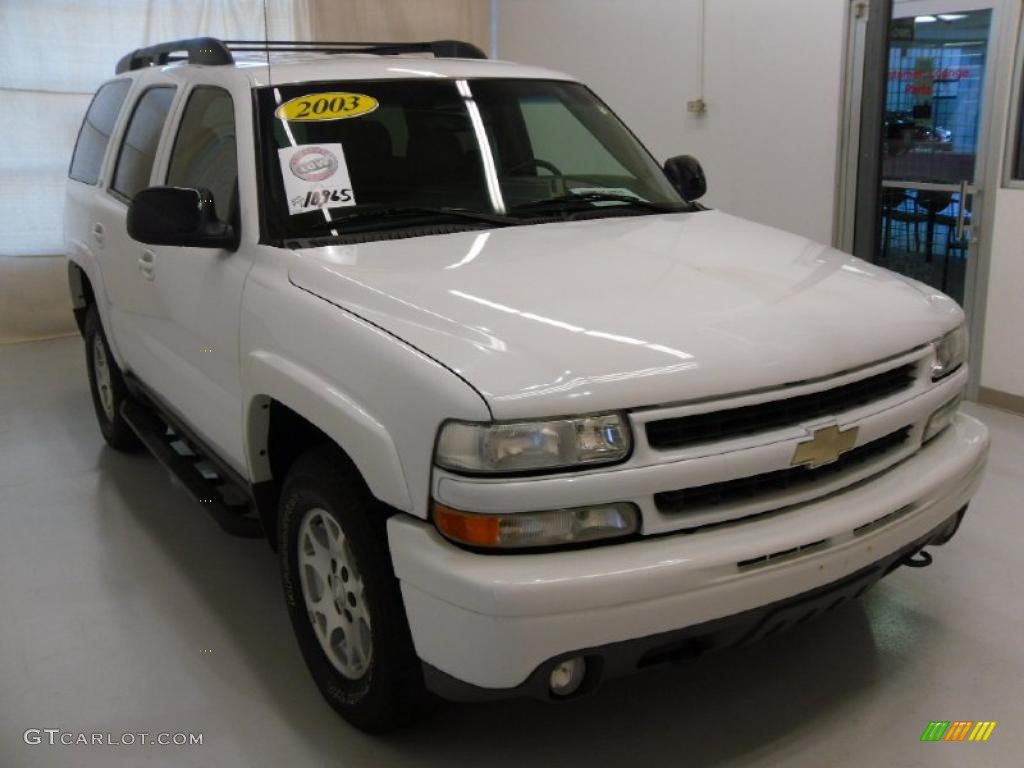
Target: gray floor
{"type": "Point", "coordinates": [114, 585]}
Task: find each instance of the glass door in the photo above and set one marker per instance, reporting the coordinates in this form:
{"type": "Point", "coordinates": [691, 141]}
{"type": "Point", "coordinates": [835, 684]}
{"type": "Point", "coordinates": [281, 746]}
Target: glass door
{"type": "Point", "coordinates": [931, 137]}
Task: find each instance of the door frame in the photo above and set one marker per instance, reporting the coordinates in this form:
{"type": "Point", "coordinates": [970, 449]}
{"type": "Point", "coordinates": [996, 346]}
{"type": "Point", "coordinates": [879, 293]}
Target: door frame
{"type": "Point", "coordinates": [991, 132]}
{"type": "Point", "coordinates": [1014, 122]}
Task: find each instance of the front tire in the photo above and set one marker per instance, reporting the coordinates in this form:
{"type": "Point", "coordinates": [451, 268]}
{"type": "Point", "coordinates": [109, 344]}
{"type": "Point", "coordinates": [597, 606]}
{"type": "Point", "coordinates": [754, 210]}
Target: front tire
{"type": "Point", "coordinates": [342, 595]}
{"type": "Point", "coordinates": [107, 386]}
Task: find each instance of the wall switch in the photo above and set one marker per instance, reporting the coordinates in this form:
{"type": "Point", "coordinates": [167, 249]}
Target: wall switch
{"type": "Point", "coordinates": [697, 106]}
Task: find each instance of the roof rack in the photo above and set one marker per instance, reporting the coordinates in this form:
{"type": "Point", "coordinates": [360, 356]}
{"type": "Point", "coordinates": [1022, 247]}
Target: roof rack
{"type": "Point", "coordinates": [199, 50]}
{"type": "Point", "coordinates": [214, 52]}
{"type": "Point", "coordinates": [441, 49]}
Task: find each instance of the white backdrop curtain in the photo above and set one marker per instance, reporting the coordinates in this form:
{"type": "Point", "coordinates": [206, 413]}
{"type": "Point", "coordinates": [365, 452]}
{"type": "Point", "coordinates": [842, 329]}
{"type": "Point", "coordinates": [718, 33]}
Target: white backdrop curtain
{"type": "Point", "coordinates": [53, 55]}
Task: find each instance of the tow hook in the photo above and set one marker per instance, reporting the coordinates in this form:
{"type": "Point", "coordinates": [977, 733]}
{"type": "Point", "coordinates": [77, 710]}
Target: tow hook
{"type": "Point", "coordinates": [919, 559]}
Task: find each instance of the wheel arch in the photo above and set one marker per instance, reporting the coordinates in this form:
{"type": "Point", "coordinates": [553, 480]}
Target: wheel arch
{"type": "Point", "coordinates": [82, 295]}
{"type": "Point", "coordinates": [292, 411]}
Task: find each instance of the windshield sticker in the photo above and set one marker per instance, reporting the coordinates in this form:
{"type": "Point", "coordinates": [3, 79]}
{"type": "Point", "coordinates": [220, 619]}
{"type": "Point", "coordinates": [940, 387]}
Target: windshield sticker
{"type": "Point", "coordinates": [621, 191]}
{"type": "Point", "coordinates": [335, 105]}
{"type": "Point", "coordinates": [315, 176]}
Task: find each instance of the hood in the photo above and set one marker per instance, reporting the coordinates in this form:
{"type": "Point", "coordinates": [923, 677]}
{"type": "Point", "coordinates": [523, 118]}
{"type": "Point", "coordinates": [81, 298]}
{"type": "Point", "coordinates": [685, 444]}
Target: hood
{"type": "Point", "coordinates": [586, 316]}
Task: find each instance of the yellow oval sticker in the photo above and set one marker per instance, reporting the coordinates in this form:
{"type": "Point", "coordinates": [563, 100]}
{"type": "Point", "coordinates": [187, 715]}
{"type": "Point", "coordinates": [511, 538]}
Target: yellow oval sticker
{"type": "Point", "coordinates": [335, 105]}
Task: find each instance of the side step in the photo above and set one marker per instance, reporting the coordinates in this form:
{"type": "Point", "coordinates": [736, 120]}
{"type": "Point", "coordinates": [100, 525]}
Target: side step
{"type": "Point", "coordinates": [220, 496]}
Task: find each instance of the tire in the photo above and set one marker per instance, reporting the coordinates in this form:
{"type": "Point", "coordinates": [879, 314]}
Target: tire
{"type": "Point", "coordinates": [357, 645]}
{"type": "Point", "coordinates": [107, 386]}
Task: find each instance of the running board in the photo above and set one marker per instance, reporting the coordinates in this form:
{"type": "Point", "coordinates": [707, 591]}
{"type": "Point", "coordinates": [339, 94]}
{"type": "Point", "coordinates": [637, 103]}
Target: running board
{"type": "Point", "coordinates": [217, 494]}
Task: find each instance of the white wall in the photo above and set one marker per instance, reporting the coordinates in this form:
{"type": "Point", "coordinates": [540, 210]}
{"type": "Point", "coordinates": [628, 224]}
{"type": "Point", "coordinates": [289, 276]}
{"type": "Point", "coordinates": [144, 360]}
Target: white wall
{"type": "Point", "coordinates": [772, 83]}
{"type": "Point", "coordinates": [1002, 362]}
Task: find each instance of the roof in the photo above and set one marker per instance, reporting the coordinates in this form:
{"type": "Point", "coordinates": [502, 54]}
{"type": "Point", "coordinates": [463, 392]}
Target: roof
{"type": "Point", "coordinates": [300, 67]}
{"type": "Point", "coordinates": [279, 62]}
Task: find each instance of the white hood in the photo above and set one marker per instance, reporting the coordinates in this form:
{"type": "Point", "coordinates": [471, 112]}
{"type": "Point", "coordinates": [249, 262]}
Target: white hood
{"type": "Point", "coordinates": [615, 313]}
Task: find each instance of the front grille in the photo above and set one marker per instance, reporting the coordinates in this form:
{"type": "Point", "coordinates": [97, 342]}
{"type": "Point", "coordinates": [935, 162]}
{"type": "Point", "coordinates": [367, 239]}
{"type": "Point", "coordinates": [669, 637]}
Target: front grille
{"type": "Point", "coordinates": [791, 478]}
{"type": "Point", "coordinates": [750, 419]}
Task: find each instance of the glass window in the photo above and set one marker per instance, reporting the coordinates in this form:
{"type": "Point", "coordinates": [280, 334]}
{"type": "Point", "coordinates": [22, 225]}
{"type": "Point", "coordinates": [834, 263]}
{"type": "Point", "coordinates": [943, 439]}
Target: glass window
{"type": "Point", "coordinates": [934, 97]}
{"type": "Point", "coordinates": [204, 150]}
{"type": "Point", "coordinates": [555, 132]}
{"type": "Point", "coordinates": [374, 154]}
{"type": "Point", "coordinates": [135, 160]}
{"type": "Point", "coordinates": [94, 135]}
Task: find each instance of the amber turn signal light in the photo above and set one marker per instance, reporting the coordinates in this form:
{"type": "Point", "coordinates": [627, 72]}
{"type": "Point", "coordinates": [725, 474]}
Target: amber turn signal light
{"type": "Point", "coordinates": [551, 528]}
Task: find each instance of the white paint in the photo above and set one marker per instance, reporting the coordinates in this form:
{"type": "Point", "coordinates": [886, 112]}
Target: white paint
{"type": "Point", "coordinates": [589, 316]}
{"type": "Point", "coordinates": [379, 343]}
{"type": "Point", "coordinates": [492, 620]}
{"type": "Point", "coordinates": [768, 141]}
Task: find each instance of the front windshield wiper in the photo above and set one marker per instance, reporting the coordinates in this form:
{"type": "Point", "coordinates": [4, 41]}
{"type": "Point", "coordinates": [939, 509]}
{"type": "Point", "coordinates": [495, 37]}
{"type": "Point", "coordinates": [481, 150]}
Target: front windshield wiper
{"type": "Point", "coordinates": [375, 214]}
{"type": "Point", "coordinates": [582, 203]}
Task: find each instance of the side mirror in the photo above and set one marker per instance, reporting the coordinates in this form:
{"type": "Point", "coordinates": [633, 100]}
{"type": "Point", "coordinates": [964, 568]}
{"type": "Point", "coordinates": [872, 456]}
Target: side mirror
{"type": "Point", "coordinates": [686, 176]}
{"type": "Point", "coordinates": [178, 216]}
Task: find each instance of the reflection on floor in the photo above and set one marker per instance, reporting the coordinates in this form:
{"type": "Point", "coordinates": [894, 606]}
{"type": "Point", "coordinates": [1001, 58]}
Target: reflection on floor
{"type": "Point", "coordinates": [126, 610]}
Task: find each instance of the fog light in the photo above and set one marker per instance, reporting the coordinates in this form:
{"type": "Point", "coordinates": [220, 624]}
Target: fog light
{"type": "Point", "coordinates": [567, 677]}
{"type": "Point", "coordinates": [942, 418]}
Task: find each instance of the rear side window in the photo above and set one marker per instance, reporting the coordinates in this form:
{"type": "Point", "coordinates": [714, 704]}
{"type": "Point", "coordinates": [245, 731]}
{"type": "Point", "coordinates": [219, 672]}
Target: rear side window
{"type": "Point", "coordinates": [94, 135]}
{"type": "Point", "coordinates": [204, 151]}
{"type": "Point", "coordinates": [138, 149]}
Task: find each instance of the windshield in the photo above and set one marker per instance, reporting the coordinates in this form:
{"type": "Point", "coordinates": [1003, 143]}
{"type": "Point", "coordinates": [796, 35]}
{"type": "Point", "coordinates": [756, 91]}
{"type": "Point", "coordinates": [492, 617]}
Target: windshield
{"type": "Point", "coordinates": [358, 156]}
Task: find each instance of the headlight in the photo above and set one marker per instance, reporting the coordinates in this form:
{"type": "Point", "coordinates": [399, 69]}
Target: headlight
{"type": "Point", "coordinates": [520, 530]}
{"type": "Point", "coordinates": [950, 353]}
{"type": "Point", "coordinates": [528, 446]}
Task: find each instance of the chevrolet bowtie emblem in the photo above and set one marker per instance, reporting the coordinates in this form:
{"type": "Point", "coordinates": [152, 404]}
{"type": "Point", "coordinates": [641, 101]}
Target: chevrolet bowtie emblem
{"type": "Point", "coordinates": [825, 446]}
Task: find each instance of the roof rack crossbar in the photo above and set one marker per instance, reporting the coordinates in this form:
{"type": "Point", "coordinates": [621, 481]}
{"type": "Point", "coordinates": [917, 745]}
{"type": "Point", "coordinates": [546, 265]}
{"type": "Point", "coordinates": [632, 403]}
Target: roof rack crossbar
{"type": "Point", "coordinates": [214, 52]}
{"type": "Point", "coordinates": [200, 50]}
{"type": "Point", "coordinates": [441, 49]}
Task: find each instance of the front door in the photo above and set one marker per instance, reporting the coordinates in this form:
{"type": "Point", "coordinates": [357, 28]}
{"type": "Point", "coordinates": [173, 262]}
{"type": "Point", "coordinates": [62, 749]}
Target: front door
{"type": "Point", "coordinates": [194, 320]}
{"type": "Point", "coordinates": [931, 183]}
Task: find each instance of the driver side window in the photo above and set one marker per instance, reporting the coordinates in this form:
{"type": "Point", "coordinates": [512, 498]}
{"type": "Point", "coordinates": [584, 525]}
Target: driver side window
{"type": "Point", "coordinates": [204, 153]}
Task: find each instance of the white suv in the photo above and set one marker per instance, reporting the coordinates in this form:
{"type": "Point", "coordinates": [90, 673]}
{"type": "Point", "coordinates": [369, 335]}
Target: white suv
{"type": "Point", "coordinates": [517, 413]}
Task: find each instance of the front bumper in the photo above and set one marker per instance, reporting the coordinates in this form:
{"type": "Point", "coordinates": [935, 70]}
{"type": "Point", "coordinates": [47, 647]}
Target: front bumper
{"type": "Point", "coordinates": [493, 621]}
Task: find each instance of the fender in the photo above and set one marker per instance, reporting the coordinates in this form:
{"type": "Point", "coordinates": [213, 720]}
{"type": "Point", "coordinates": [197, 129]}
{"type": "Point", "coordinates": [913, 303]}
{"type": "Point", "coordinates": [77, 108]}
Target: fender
{"type": "Point", "coordinates": [322, 403]}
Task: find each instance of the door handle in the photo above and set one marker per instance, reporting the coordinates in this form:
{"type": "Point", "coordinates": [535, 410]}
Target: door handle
{"type": "Point", "coordinates": [147, 264]}
{"type": "Point", "coordinates": [962, 233]}
{"type": "Point", "coordinates": [97, 234]}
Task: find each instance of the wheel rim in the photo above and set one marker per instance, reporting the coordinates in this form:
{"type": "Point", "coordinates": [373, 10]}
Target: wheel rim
{"type": "Point", "coordinates": [101, 369]}
{"type": "Point", "coordinates": [334, 594]}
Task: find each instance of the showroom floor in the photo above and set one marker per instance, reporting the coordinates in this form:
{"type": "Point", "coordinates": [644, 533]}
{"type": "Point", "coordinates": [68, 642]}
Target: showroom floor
{"type": "Point", "coordinates": [125, 610]}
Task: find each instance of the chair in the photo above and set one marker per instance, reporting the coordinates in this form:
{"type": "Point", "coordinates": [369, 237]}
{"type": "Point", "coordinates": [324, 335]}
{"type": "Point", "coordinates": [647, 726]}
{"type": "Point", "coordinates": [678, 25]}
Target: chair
{"type": "Point", "coordinates": [932, 203]}
{"type": "Point", "coordinates": [894, 200]}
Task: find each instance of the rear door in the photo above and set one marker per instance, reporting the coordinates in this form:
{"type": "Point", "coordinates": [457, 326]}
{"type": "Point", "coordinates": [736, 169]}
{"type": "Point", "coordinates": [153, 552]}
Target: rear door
{"type": "Point", "coordinates": [85, 233]}
{"type": "Point", "coordinates": [193, 320]}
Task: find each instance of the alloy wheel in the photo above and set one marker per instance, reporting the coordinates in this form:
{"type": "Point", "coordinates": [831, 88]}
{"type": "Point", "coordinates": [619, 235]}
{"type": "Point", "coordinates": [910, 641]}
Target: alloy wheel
{"type": "Point", "coordinates": [101, 370]}
{"type": "Point", "coordinates": [334, 594]}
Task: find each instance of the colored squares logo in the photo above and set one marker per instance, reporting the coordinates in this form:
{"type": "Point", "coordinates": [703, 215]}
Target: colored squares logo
{"type": "Point", "coordinates": [958, 730]}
